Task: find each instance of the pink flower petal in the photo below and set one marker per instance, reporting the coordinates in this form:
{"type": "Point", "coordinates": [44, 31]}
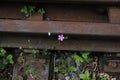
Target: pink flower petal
{"type": "Point", "coordinates": [60, 37]}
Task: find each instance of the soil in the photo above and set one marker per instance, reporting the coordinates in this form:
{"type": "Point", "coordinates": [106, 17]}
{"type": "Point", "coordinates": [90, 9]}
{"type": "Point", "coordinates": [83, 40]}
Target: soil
{"type": "Point", "coordinates": [6, 73]}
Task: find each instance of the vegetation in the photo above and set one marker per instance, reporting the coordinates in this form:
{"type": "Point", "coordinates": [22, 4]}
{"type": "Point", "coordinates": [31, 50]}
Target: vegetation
{"type": "Point", "coordinates": [30, 10]}
{"type": "Point", "coordinates": [86, 76]}
{"type": "Point", "coordinates": [5, 58]}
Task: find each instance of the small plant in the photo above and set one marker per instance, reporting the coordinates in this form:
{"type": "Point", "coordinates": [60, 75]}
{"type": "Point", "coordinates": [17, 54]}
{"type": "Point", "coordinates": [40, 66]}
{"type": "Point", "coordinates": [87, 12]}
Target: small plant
{"type": "Point", "coordinates": [44, 51]}
{"type": "Point", "coordinates": [86, 76]}
{"type": "Point", "coordinates": [56, 69]}
{"type": "Point", "coordinates": [5, 58]}
{"type": "Point", "coordinates": [41, 11]}
{"type": "Point", "coordinates": [28, 10]}
{"type": "Point", "coordinates": [31, 72]}
{"type": "Point", "coordinates": [34, 53]}
{"type": "Point", "coordinates": [83, 58]}
{"type": "Point", "coordinates": [63, 68]}
{"type": "Point", "coordinates": [28, 70]}
{"type": "Point", "coordinates": [71, 69]}
{"type": "Point", "coordinates": [77, 58]}
{"type": "Point", "coordinates": [2, 52]}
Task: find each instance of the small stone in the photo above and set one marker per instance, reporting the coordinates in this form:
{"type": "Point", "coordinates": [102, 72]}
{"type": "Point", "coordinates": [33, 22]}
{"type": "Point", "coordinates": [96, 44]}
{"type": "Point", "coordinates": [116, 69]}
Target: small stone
{"type": "Point", "coordinates": [113, 79]}
{"type": "Point", "coordinates": [60, 76]}
{"type": "Point", "coordinates": [49, 33]}
{"type": "Point", "coordinates": [67, 78]}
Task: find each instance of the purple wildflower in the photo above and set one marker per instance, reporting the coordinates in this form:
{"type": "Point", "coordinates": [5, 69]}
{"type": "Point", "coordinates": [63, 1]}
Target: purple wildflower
{"type": "Point", "coordinates": [61, 37]}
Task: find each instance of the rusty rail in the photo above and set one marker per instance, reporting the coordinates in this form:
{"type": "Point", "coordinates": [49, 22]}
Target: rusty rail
{"type": "Point", "coordinates": [99, 36]}
{"type": "Point", "coordinates": [75, 44]}
{"type": "Point", "coordinates": [75, 28]}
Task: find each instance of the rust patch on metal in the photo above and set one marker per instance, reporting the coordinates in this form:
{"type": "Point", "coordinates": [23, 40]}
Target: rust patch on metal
{"type": "Point", "coordinates": [77, 44]}
{"type": "Point", "coordinates": [111, 63]}
{"type": "Point", "coordinates": [75, 13]}
{"type": "Point", "coordinates": [114, 14]}
{"type": "Point", "coordinates": [12, 11]}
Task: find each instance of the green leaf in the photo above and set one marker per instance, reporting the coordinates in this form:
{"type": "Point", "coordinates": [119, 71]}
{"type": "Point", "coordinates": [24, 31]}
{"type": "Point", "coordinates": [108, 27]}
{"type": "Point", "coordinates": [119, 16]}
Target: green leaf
{"type": "Point", "coordinates": [63, 71]}
{"type": "Point", "coordinates": [9, 57]}
{"type": "Point", "coordinates": [64, 62]}
{"type": "Point", "coordinates": [87, 74]}
{"type": "Point", "coordinates": [28, 70]}
{"type": "Point", "coordinates": [2, 52]}
{"type": "Point", "coordinates": [103, 78]}
{"type": "Point", "coordinates": [93, 79]}
{"type": "Point", "coordinates": [35, 74]}
{"type": "Point", "coordinates": [31, 10]}
{"type": "Point", "coordinates": [41, 11]}
{"type": "Point", "coordinates": [34, 53]}
{"type": "Point", "coordinates": [82, 76]}
{"type": "Point", "coordinates": [52, 47]}
{"type": "Point", "coordinates": [11, 62]}
{"type": "Point", "coordinates": [44, 51]}
{"type": "Point", "coordinates": [56, 69]}
{"type": "Point", "coordinates": [77, 58]}
{"type": "Point", "coordinates": [5, 62]}
{"type": "Point", "coordinates": [24, 10]}
{"type": "Point", "coordinates": [85, 56]}
{"type": "Point", "coordinates": [28, 10]}
{"type": "Point", "coordinates": [71, 69]}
